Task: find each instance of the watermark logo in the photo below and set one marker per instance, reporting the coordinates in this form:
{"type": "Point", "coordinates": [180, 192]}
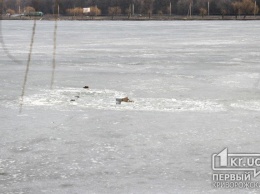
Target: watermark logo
{"type": "Point", "coordinates": [235, 170]}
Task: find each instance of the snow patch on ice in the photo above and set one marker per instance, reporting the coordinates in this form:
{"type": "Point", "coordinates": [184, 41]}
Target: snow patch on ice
{"type": "Point", "coordinates": [66, 98]}
{"type": "Point", "coordinates": [239, 80]}
{"type": "Point", "coordinates": [248, 105]}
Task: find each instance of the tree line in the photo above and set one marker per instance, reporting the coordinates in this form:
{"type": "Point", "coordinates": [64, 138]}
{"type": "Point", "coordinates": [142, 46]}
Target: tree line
{"type": "Point", "coordinates": [143, 7]}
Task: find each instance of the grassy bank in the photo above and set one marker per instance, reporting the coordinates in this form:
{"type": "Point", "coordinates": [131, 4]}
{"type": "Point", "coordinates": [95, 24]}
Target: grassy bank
{"type": "Point", "coordinates": [135, 17]}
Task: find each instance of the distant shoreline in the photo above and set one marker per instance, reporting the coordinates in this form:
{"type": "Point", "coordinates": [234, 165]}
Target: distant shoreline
{"type": "Point", "coordinates": [134, 18]}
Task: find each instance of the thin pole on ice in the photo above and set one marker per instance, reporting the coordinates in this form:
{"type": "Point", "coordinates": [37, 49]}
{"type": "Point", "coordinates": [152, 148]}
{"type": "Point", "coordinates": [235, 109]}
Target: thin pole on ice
{"type": "Point", "coordinates": [27, 67]}
{"type": "Point", "coordinates": [54, 50]}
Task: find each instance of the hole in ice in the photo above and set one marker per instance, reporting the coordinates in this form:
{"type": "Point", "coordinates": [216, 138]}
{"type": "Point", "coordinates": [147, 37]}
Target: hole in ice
{"type": "Point", "coordinates": [105, 99]}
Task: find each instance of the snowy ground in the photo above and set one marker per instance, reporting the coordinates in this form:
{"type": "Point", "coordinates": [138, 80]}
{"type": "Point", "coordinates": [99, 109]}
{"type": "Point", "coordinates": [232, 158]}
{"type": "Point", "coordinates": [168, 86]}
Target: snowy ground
{"type": "Point", "coordinates": [195, 86]}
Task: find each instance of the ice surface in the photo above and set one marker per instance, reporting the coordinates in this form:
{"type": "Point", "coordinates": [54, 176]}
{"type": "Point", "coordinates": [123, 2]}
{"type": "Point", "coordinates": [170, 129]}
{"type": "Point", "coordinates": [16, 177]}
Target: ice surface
{"type": "Point", "coordinates": [195, 87]}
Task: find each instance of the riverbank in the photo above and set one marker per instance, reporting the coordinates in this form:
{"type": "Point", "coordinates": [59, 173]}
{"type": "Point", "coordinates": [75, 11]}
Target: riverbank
{"type": "Point", "coordinates": [135, 17]}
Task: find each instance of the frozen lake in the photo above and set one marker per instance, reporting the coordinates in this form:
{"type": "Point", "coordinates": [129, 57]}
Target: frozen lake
{"type": "Point", "coordinates": [195, 87]}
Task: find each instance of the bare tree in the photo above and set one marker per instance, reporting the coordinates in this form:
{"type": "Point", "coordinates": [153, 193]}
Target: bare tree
{"type": "Point", "coordinates": [248, 7]}
{"type": "Point", "coordinates": [237, 8]}
{"type": "Point", "coordinates": [224, 6]}
{"type": "Point", "coordinates": [94, 11]}
{"type": "Point", "coordinates": [10, 11]}
{"type": "Point", "coordinates": [183, 6]}
{"type": "Point", "coordinates": [1, 8]}
{"type": "Point", "coordinates": [128, 12]}
{"type": "Point", "coordinates": [160, 12]}
{"type": "Point", "coordinates": [148, 7]}
{"type": "Point", "coordinates": [223, 12]}
{"type": "Point", "coordinates": [198, 4]}
{"type": "Point", "coordinates": [203, 12]}
{"type": "Point", "coordinates": [114, 11]}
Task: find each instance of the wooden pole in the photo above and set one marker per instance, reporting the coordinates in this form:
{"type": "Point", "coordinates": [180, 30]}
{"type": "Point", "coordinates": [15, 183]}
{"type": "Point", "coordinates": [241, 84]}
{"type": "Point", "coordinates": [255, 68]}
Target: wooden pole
{"type": "Point", "coordinates": [255, 9]}
{"type": "Point", "coordinates": [170, 8]}
{"type": "Point", "coordinates": [190, 10]}
{"type": "Point", "coordinates": [208, 7]}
